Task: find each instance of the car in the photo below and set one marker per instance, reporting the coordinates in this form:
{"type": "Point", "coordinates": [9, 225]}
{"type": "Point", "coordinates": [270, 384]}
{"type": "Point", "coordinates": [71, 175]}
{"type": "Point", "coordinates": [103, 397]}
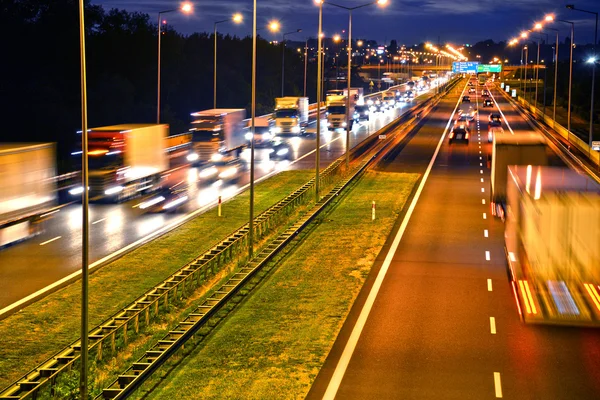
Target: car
{"type": "Point", "coordinates": [495, 119]}
{"type": "Point", "coordinates": [466, 99]}
{"type": "Point", "coordinates": [485, 93]}
{"type": "Point", "coordinates": [410, 94]}
{"type": "Point", "coordinates": [459, 132]}
{"type": "Point", "coordinates": [361, 113]}
{"type": "Point", "coordinates": [167, 199]}
{"type": "Point", "coordinates": [488, 103]}
{"type": "Point", "coordinates": [471, 90]}
{"type": "Point", "coordinates": [280, 150]}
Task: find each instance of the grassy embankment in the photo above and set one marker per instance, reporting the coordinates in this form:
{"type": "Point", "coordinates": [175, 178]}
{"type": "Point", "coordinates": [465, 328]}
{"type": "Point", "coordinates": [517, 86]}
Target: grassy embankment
{"type": "Point", "coordinates": [273, 345]}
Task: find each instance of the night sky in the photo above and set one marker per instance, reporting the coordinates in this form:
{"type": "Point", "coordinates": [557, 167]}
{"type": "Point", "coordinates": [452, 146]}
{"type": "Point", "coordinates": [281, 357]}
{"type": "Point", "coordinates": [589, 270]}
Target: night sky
{"type": "Point", "coordinates": [407, 21]}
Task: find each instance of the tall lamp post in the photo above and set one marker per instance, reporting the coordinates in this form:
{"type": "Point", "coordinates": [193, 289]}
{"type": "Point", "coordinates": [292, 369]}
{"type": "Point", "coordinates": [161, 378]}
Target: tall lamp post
{"type": "Point", "coordinates": [186, 8]}
{"type": "Point", "coordinates": [350, 9]}
{"type": "Point", "coordinates": [592, 59]}
{"type": "Point", "coordinates": [237, 18]}
{"type": "Point", "coordinates": [551, 18]}
{"type": "Point", "coordinates": [283, 57]}
{"type": "Point", "coordinates": [319, 67]}
{"type": "Point", "coordinates": [305, 64]}
{"type": "Point", "coordinates": [83, 375]}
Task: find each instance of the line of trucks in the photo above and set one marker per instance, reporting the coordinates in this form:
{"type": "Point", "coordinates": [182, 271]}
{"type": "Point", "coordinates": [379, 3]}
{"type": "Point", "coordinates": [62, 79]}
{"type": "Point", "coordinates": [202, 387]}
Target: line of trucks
{"type": "Point", "coordinates": [552, 232]}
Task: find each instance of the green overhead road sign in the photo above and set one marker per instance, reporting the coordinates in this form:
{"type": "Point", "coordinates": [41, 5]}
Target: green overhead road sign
{"type": "Point", "coordinates": [489, 68]}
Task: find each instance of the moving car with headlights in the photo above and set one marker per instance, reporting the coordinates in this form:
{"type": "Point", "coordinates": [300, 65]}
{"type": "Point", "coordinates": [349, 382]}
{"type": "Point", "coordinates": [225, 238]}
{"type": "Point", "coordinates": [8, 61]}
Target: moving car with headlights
{"type": "Point", "coordinates": [169, 199]}
{"type": "Point", "coordinates": [280, 150]}
{"type": "Point", "coordinates": [375, 105]}
{"type": "Point", "coordinates": [495, 119]}
{"type": "Point", "coordinates": [488, 103]}
{"type": "Point", "coordinates": [218, 133]}
{"type": "Point", "coordinates": [466, 99]}
{"type": "Point", "coordinates": [471, 90]}
{"type": "Point", "coordinates": [460, 132]}
{"type": "Point", "coordinates": [290, 116]}
{"type": "Point", "coordinates": [336, 112]}
{"type": "Point", "coordinates": [361, 113]}
{"type": "Point", "coordinates": [389, 99]}
{"type": "Point", "coordinates": [463, 119]}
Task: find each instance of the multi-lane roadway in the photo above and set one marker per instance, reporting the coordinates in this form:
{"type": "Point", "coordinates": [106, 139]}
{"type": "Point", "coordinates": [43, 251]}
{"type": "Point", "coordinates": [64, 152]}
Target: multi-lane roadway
{"type": "Point", "coordinates": [437, 317]}
{"type": "Point", "coordinates": [55, 255]}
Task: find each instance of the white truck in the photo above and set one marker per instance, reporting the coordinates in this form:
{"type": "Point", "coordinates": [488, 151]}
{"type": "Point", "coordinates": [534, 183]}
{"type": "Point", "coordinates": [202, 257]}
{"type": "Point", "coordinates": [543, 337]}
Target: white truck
{"type": "Point", "coordinates": [552, 238]}
{"type": "Point", "coordinates": [28, 188]}
{"type": "Point", "coordinates": [125, 161]}
{"type": "Point", "coordinates": [290, 116]}
{"type": "Point", "coordinates": [218, 133]}
{"type": "Point", "coordinates": [336, 112]}
{"type": "Point", "coordinates": [520, 149]}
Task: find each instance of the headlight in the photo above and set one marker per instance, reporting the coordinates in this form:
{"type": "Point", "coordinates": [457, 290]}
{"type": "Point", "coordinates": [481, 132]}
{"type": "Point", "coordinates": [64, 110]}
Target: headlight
{"type": "Point", "coordinates": [151, 202]}
{"type": "Point", "coordinates": [113, 190]}
{"type": "Point", "coordinates": [282, 152]}
{"type": "Point", "coordinates": [370, 102]}
{"type": "Point", "coordinates": [192, 157]}
{"type": "Point", "coordinates": [276, 130]}
{"type": "Point", "coordinates": [366, 112]}
{"type": "Point", "coordinates": [218, 157]}
{"type": "Point", "coordinates": [344, 124]}
{"type": "Point", "coordinates": [228, 173]}
{"type": "Point", "coordinates": [267, 136]}
{"type": "Point", "coordinates": [175, 202]}
{"type": "Point", "coordinates": [296, 129]}
{"type": "Point", "coordinates": [76, 190]}
{"type": "Point", "coordinates": [207, 172]}
{"type": "Point", "coordinates": [328, 124]}
{"type": "Point", "coordinates": [248, 136]}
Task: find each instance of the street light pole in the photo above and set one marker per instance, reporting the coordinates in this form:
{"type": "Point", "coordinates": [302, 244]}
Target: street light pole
{"type": "Point", "coordinates": [83, 376]}
{"type": "Point", "coordinates": [570, 71]}
{"type": "Point", "coordinates": [305, 64]}
{"type": "Point", "coordinates": [252, 130]}
{"type": "Point", "coordinates": [572, 7]}
{"type": "Point", "coordinates": [319, 67]}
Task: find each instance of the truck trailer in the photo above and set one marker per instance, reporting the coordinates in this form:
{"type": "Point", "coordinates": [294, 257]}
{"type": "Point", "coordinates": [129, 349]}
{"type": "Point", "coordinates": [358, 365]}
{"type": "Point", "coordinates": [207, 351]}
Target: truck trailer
{"type": "Point", "coordinates": [290, 116]}
{"type": "Point", "coordinates": [28, 188]}
{"type": "Point", "coordinates": [125, 160]}
{"type": "Point", "coordinates": [520, 149]}
{"type": "Point", "coordinates": [218, 133]}
{"type": "Point", "coordinates": [552, 238]}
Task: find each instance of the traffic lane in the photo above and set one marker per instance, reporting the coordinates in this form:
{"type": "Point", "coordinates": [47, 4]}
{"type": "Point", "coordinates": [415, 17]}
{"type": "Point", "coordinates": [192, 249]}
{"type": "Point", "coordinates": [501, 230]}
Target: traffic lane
{"type": "Point", "coordinates": [376, 372]}
{"type": "Point", "coordinates": [513, 118]}
{"type": "Point", "coordinates": [30, 266]}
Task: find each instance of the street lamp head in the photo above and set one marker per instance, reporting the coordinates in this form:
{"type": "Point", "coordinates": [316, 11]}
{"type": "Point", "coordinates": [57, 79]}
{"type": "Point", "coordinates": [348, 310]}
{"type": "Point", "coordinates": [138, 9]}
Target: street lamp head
{"type": "Point", "coordinates": [274, 26]}
{"type": "Point", "coordinates": [549, 18]}
{"type": "Point", "coordinates": [187, 8]}
{"type": "Point", "coordinates": [337, 38]}
{"type": "Point", "coordinates": [524, 35]}
{"type": "Point", "coordinates": [382, 3]}
{"type": "Point", "coordinates": [359, 43]}
{"type": "Point", "coordinates": [319, 2]}
{"type": "Point", "coordinates": [537, 26]}
{"type": "Point", "coordinates": [591, 60]}
{"type": "Point", "coordinates": [298, 30]}
{"type": "Point", "coordinates": [237, 18]}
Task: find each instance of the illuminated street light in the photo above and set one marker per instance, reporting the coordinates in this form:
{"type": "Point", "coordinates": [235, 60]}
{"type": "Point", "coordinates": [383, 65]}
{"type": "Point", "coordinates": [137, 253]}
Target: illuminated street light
{"type": "Point", "coordinates": [336, 38]}
{"type": "Point", "coordinates": [274, 26]}
{"type": "Point", "coordinates": [524, 35]}
{"type": "Point", "coordinates": [185, 8]}
{"type": "Point", "coordinates": [238, 19]}
{"type": "Point", "coordinates": [549, 18]}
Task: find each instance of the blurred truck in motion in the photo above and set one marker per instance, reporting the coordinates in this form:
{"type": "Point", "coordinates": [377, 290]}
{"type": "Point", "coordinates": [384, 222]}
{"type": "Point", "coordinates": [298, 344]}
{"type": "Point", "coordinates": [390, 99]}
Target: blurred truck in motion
{"type": "Point", "coordinates": [290, 116]}
{"type": "Point", "coordinates": [552, 238]}
{"type": "Point", "coordinates": [125, 161]}
{"type": "Point", "coordinates": [27, 189]}
{"type": "Point", "coordinates": [521, 149]}
{"type": "Point", "coordinates": [218, 133]}
{"type": "Point", "coordinates": [336, 112]}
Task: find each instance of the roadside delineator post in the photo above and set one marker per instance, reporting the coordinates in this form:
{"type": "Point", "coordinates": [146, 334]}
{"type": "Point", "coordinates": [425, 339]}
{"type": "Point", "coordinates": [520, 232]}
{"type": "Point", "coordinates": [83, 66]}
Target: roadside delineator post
{"type": "Point", "coordinates": [219, 207]}
{"type": "Point", "coordinates": [373, 211]}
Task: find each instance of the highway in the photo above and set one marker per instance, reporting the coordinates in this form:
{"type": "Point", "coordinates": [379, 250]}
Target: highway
{"type": "Point", "coordinates": [437, 318]}
{"type": "Point", "coordinates": [31, 266]}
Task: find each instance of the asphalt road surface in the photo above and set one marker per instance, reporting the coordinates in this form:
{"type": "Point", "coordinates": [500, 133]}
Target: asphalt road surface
{"type": "Point", "coordinates": [443, 322]}
{"type": "Point", "coordinates": [30, 266]}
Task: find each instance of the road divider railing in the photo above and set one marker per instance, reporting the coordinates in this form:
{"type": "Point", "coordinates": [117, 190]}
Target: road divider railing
{"type": "Point", "coordinates": [115, 332]}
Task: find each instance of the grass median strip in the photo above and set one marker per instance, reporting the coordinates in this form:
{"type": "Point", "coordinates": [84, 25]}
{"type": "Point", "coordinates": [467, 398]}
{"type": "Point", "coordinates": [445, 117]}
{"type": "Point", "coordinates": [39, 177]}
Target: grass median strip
{"type": "Point", "coordinates": [273, 345]}
{"type": "Point", "coordinates": [35, 333]}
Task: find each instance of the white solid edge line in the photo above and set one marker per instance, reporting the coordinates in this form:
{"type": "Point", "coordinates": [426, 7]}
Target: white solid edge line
{"type": "Point", "coordinates": [501, 113]}
{"type": "Point", "coordinates": [493, 325]}
{"type": "Point", "coordinates": [50, 241]}
{"type": "Point", "coordinates": [344, 361]}
{"type": "Point", "coordinates": [497, 385]}
{"type": "Point", "coordinates": [489, 281]}
{"type": "Point", "coordinates": [97, 222]}
{"type": "Point", "coordinates": [158, 232]}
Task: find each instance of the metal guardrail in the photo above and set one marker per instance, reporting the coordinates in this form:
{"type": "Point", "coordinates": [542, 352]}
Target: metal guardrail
{"type": "Point", "coordinates": [139, 371]}
{"type": "Point", "coordinates": [118, 328]}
